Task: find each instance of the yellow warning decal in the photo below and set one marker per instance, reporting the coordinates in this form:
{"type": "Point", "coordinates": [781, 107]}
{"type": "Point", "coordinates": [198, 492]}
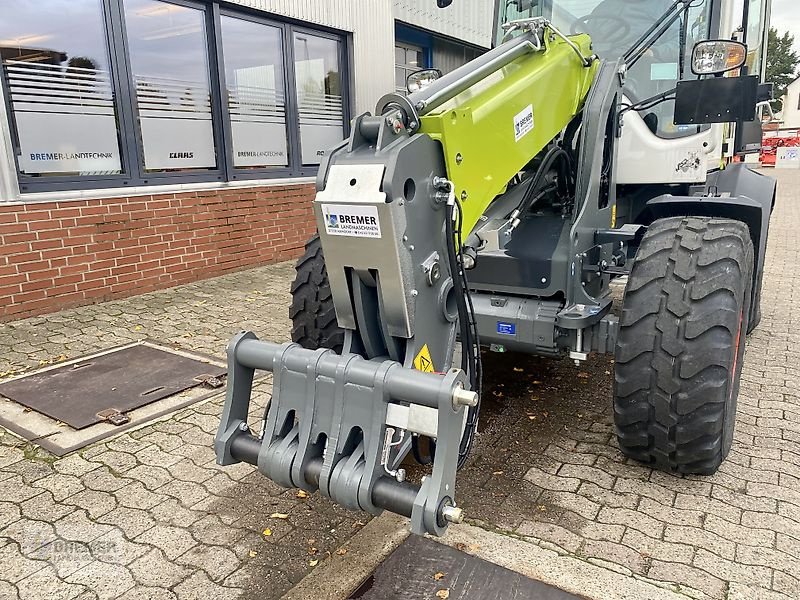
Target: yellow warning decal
{"type": "Point", "coordinates": [614, 217]}
{"type": "Point", "coordinates": [423, 361]}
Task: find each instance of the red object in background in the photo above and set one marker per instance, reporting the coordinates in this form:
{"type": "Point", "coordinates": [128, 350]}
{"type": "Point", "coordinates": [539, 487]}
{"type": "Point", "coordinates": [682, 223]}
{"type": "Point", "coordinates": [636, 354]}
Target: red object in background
{"type": "Point", "coordinates": [770, 145]}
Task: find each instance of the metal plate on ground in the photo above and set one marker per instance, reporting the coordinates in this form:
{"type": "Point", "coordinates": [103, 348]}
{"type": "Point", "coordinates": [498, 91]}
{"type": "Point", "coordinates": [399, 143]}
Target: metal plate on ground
{"type": "Point", "coordinates": [86, 392]}
{"type": "Point", "coordinates": [422, 568]}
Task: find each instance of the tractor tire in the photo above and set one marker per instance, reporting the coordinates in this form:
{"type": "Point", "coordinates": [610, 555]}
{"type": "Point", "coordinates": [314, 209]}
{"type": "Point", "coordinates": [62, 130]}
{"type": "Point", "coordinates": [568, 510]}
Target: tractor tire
{"type": "Point", "coordinates": [681, 343]}
{"type": "Point", "coordinates": [313, 316]}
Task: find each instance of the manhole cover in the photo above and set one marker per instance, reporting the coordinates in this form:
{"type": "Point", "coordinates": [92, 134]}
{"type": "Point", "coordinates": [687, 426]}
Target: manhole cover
{"type": "Point", "coordinates": [103, 387]}
{"type": "Point", "coordinates": [421, 568]}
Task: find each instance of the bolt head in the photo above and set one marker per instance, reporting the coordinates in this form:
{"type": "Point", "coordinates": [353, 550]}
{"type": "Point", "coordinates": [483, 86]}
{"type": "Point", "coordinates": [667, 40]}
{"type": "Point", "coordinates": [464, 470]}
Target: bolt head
{"type": "Point", "coordinates": [453, 514]}
{"type": "Point", "coordinates": [435, 273]}
{"type": "Point", "coordinates": [462, 397]}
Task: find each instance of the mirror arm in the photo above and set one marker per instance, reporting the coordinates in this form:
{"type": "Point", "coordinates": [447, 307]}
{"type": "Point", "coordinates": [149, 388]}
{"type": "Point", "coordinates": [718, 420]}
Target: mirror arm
{"type": "Point", "coordinates": [768, 105]}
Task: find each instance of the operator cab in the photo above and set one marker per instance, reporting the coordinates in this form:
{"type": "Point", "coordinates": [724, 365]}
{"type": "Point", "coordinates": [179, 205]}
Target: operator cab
{"type": "Point", "coordinates": [616, 25]}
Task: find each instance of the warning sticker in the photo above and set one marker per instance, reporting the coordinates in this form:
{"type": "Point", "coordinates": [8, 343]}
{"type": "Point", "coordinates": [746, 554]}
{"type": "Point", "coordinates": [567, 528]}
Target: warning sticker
{"type": "Point", "coordinates": [423, 361]}
{"type": "Point", "coordinates": [523, 123]}
{"type": "Point", "coordinates": [354, 221]}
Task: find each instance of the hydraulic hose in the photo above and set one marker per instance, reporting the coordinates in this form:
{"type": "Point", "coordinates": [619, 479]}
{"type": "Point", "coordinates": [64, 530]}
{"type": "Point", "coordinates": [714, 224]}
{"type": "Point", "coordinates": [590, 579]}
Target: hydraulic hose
{"type": "Point", "coordinates": [531, 195]}
{"type": "Point", "coordinates": [470, 342]}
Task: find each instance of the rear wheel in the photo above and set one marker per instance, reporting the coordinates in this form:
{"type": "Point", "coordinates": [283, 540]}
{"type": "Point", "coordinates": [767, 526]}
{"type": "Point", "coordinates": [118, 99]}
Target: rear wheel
{"type": "Point", "coordinates": [681, 343]}
{"type": "Point", "coordinates": [313, 316]}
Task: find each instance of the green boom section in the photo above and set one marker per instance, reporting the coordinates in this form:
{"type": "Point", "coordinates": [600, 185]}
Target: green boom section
{"type": "Point", "coordinates": [486, 131]}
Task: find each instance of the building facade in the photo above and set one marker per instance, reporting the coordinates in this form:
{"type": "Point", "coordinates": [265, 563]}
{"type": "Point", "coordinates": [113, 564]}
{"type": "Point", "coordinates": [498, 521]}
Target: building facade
{"type": "Point", "coordinates": [147, 143]}
{"type": "Point", "coordinates": [791, 106]}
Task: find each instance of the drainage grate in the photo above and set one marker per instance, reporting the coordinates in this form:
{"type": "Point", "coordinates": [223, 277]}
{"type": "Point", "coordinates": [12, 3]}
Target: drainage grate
{"type": "Point", "coordinates": [421, 568]}
{"type": "Point", "coordinates": [102, 388]}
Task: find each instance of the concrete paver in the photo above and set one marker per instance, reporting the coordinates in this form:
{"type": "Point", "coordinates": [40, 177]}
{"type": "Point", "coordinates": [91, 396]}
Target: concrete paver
{"type": "Point", "coordinates": [548, 470]}
{"type": "Point", "coordinates": [149, 515]}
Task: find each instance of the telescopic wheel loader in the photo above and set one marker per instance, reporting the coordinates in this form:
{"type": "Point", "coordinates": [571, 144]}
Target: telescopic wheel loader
{"type": "Point", "coordinates": [492, 208]}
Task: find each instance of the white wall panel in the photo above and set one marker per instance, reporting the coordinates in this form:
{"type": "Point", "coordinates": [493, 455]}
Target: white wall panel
{"type": "Point", "coordinates": [791, 106]}
{"type": "Point", "coordinates": [467, 20]}
{"type": "Point", "coordinates": [372, 26]}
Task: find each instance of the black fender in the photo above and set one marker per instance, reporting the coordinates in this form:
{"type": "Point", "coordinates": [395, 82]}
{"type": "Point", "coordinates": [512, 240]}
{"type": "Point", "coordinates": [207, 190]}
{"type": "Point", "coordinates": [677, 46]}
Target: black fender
{"type": "Point", "coordinates": [737, 193]}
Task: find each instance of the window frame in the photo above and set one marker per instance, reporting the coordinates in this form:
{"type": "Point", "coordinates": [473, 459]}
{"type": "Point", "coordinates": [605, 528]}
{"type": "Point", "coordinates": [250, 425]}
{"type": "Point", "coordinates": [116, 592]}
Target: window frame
{"type": "Point", "coordinates": [130, 138]}
{"type": "Point", "coordinates": [142, 177]}
{"type": "Point", "coordinates": [31, 183]}
{"type": "Point", "coordinates": [344, 74]}
{"type": "Point", "coordinates": [232, 173]}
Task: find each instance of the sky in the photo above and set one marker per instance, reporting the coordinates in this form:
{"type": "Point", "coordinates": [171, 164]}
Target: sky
{"type": "Point", "coordinates": [786, 16]}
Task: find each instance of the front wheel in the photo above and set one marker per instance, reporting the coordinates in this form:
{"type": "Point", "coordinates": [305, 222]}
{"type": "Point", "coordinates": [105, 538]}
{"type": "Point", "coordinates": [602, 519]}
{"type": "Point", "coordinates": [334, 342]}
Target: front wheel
{"type": "Point", "coordinates": [313, 316]}
{"type": "Point", "coordinates": [681, 343]}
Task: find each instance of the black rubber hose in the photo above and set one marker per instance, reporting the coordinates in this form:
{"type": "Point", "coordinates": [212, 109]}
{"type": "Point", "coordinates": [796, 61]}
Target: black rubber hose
{"type": "Point", "coordinates": [466, 326]}
{"type": "Point", "coordinates": [547, 162]}
{"type": "Point", "coordinates": [476, 376]}
{"type": "Point", "coordinates": [467, 364]}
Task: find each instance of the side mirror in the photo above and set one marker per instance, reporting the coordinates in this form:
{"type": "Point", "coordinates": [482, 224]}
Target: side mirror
{"type": "Point", "coordinates": [714, 57]}
{"type": "Point", "coordinates": [419, 80]}
{"type": "Point", "coordinates": [443, 3]}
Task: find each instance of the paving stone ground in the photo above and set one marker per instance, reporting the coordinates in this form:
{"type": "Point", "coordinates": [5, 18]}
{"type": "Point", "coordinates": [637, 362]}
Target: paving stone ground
{"type": "Point", "coordinates": [548, 468]}
{"type": "Point", "coordinates": [149, 515]}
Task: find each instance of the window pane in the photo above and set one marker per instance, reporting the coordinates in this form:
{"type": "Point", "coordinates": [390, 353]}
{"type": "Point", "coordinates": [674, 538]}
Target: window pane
{"type": "Point", "coordinates": [319, 95]}
{"type": "Point", "coordinates": [256, 99]}
{"type": "Point", "coordinates": [755, 39]}
{"type": "Point", "coordinates": [400, 79]}
{"type": "Point", "coordinates": [55, 61]}
{"type": "Point", "coordinates": [169, 60]}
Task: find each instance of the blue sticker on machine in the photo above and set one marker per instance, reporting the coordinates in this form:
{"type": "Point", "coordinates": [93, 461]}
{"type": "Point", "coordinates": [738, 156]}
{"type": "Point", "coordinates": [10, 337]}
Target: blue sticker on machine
{"type": "Point", "coordinates": [506, 328]}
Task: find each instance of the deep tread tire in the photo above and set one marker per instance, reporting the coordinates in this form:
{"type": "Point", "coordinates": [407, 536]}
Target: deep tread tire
{"type": "Point", "coordinates": [313, 316]}
{"type": "Point", "coordinates": [681, 343]}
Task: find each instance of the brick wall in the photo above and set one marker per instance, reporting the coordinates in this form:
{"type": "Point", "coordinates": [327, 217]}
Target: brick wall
{"type": "Point", "coordinates": [59, 254]}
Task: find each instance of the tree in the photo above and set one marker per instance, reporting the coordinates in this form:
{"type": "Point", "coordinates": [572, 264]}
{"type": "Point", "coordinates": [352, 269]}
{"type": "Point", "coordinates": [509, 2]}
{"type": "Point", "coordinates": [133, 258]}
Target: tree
{"type": "Point", "coordinates": [782, 63]}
